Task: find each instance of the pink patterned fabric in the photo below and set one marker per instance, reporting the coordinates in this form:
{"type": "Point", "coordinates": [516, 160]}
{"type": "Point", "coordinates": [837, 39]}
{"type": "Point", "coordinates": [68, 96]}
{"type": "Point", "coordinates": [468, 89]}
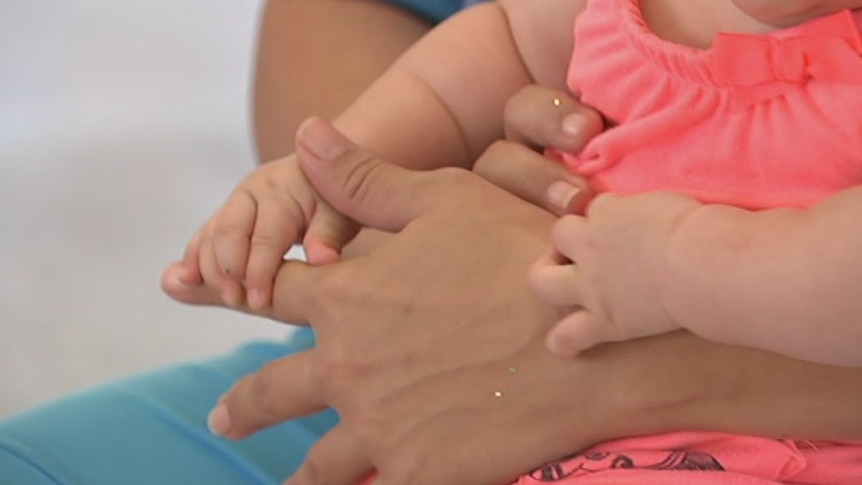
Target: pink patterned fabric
{"type": "Point", "coordinates": [705, 458]}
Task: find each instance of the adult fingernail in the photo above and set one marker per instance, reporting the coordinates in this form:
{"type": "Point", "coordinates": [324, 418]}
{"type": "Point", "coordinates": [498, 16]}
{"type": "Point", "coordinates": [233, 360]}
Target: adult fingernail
{"type": "Point", "coordinates": [561, 194]}
{"type": "Point", "coordinates": [322, 140]}
{"type": "Point", "coordinates": [218, 420]}
{"type": "Point", "coordinates": [574, 124]}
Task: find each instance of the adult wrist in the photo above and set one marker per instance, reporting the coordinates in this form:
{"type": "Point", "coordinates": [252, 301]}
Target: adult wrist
{"type": "Point", "coordinates": [652, 385]}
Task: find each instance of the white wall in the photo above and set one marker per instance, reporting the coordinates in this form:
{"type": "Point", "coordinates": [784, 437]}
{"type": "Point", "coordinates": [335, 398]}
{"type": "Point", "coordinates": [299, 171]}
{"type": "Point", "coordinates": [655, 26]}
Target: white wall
{"type": "Point", "coordinates": [123, 124]}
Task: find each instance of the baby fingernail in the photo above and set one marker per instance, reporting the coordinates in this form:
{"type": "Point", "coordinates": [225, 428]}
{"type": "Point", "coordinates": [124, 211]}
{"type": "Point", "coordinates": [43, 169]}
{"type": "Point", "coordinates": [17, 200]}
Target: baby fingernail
{"type": "Point", "coordinates": [561, 194]}
{"type": "Point", "coordinates": [218, 420]}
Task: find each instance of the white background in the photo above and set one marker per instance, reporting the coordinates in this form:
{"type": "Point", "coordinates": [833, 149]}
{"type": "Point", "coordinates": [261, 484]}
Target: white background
{"type": "Point", "coordinates": [123, 124]}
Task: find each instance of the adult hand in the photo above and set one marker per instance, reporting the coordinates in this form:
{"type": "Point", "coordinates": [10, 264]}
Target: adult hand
{"type": "Point", "coordinates": [432, 339]}
{"type": "Point", "coordinates": [537, 118]}
{"type": "Point", "coordinates": [405, 402]}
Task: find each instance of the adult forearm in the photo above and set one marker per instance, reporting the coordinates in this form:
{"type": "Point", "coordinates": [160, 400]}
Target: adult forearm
{"type": "Point", "coordinates": [681, 382]}
{"type": "Point", "coordinates": [316, 56]}
{"type": "Point", "coordinates": [784, 280]}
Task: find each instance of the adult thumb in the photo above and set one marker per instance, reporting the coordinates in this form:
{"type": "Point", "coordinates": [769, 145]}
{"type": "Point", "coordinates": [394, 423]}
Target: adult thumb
{"type": "Point", "coordinates": [356, 182]}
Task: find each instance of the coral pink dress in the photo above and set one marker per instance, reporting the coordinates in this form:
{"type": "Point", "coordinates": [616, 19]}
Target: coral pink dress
{"type": "Point", "coordinates": [757, 121]}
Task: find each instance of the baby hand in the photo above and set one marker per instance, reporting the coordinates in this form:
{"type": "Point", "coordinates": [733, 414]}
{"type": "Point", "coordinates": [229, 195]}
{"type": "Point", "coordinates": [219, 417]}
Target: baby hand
{"type": "Point", "coordinates": [608, 265]}
{"type": "Point", "coordinates": [241, 247]}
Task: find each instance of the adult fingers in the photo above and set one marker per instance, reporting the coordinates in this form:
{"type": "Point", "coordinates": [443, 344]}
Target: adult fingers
{"type": "Point", "coordinates": [357, 183]}
{"type": "Point", "coordinates": [533, 177]}
{"type": "Point", "coordinates": [295, 284]}
{"type": "Point", "coordinates": [297, 291]}
{"type": "Point", "coordinates": [337, 459]}
{"type": "Point", "coordinates": [283, 389]}
{"type": "Point", "coordinates": [543, 117]}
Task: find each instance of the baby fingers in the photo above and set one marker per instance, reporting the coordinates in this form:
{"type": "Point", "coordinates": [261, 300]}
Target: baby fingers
{"type": "Point", "coordinates": [277, 226]}
{"type": "Point", "coordinates": [214, 276]}
{"type": "Point", "coordinates": [567, 235]}
{"type": "Point", "coordinates": [579, 331]}
{"type": "Point", "coordinates": [232, 229]}
{"type": "Point", "coordinates": [555, 279]}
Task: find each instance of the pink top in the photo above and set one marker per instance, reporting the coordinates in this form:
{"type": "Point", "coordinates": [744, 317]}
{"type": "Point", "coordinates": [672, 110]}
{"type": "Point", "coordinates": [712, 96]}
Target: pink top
{"type": "Point", "coordinates": [756, 121]}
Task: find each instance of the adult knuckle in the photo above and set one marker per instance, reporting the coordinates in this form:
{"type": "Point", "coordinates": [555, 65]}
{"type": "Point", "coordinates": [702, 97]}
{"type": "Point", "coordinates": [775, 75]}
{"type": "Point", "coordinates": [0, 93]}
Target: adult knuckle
{"type": "Point", "coordinates": [336, 371]}
{"type": "Point", "coordinates": [364, 168]}
{"type": "Point", "coordinates": [262, 393]}
{"type": "Point", "coordinates": [341, 370]}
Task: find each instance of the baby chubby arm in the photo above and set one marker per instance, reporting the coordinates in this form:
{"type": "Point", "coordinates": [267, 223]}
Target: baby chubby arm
{"type": "Point", "coordinates": [442, 102]}
{"type": "Point", "coordinates": [785, 280]}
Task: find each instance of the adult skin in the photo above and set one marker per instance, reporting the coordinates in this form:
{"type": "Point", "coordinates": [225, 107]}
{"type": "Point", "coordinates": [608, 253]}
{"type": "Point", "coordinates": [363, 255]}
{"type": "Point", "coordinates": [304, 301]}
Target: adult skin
{"type": "Point", "coordinates": [316, 56]}
{"type": "Point", "coordinates": [403, 405]}
{"type": "Point", "coordinates": [634, 385]}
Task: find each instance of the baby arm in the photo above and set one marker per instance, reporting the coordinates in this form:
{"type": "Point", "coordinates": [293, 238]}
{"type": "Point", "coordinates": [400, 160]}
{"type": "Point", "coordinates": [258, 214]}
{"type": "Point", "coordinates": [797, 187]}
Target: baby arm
{"type": "Point", "coordinates": [783, 13]}
{"type": "Point", "coordinates": [439, 105]}
{"type": "Point", "coordinates": [607, 266]}
{"type": "Point", "coordinates": [782, 280]}
{"type": "Point", "coordinates": [442, 103]}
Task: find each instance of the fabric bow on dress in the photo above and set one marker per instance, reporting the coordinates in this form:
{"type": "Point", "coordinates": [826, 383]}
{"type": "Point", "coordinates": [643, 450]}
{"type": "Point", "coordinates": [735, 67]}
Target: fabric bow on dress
{"type": "Point", "coordinates": [760, 67]}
